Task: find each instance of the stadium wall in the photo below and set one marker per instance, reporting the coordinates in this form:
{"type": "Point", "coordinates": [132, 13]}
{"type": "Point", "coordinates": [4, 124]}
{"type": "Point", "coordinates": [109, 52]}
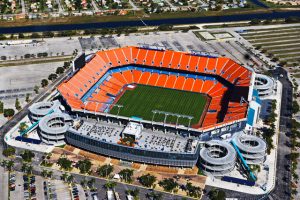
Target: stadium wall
{"type": "Point", "coordinates": [130, 153]}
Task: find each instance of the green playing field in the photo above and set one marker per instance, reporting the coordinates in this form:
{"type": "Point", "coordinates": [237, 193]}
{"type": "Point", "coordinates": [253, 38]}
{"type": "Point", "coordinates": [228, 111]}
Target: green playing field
{"type": "Point", "coordinates": [141, 101]}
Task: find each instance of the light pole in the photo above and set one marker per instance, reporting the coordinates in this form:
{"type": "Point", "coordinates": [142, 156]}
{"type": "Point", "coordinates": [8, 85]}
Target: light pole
{"type": "Point", "coordinates": [190, 118]}
{"type": "Point", "coordinates": [166, 115]}
{"type": "Point", "coordinates": [154, 112]}
{"type": "Point", "coordinates": [178, 116]}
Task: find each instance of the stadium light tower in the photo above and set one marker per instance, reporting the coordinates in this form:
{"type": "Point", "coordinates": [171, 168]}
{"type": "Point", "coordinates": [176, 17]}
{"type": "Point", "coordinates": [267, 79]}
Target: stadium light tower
{"type": "Point", "coordinates": [119, 106]}
{"type": "Point", "coordinates": [178, 116]}
{"type": "Point", "coordinates": [190, 119]}
{"type": "Point", "coordinates": [166, 115]}
{"type": "Point", "coordinates": [154, 113]}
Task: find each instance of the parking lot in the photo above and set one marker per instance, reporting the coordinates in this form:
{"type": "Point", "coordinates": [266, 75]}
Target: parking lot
{"type": "Point", "coordinates": [3, 183]}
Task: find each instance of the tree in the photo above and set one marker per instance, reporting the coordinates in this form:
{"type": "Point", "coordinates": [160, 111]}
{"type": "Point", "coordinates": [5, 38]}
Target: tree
{"type": "Point", "coordinates": [254, 21]}
{"type": "Point", "coordinates": [169, 184]}
{"type": "Point", "coordinates": [165, 27]}
{"type": "Point", "coordinates": [44, 173]}
{"type": "Point", "coordinates": [18, 104]}
{"type": "Point", "coordinates": [216, 194]}
{"type": "Point", "coordinates": [70, 179]}
{"type": "Point", "coordinates": [105, 170]}
{"type": "Point", "coordinates": [83, 182]}
{"type": "Point", "coordinates": [193, 191]}
{"type": "Point", "coordinates": [66, 65]}
{"type": "Point", "coordinates": [27, 98]}
{"type": "Point", "coordinates": [64, 163]}
{"type": "Point", "coordinates": [27, 155]}
{"type": "Point", "coordinates": [36, 89]}
{"type": "Point", "coordinates": [1, 107]}
{"type": "Point", "coordinates": [52, 77]}
{"type": "Point", "coordinates": [9, 151]}
{"type": "Point", "coordinates": [296, 107]}
{"type": "Point", "coordinates": [48, 34]}
{"type": "Point", "coordinates": [9, 165]}
{"type": "Point", "coordinates": [84, 166]}
{"type": "Point", "coordinates": [50, 173]}
{"type": "Point", "coordinates": [60, 70]}
{"type": "Point", "coordinates": [44, 82]}
{"type": "Point", "coordinates": [126, 175]}
{"type": "Point", "coordinates": [64, 176]}
{"type": "Point", "coordinates": [8, 112]}
{"type": "Point", "coordinates": [154, 195]}
{"type": "Point", "coordinates": [22, 127]}
{"type": "Point", "coordinates": [78, 5]}
{"type": "Point", "coordinates": [134, 193]}
{"type": "Point", "coordinates": [91, 183]}
{"type": "Point", "coordinates": [147, 180]}
{"type": "Point", "coordinates": [21, 35]}
{"type": "Point", "coordinates": [26, 168]}
{"type": "Point", "coordinates": [110, 184]}
{"type": "Point", "coordinates": [35, 35]}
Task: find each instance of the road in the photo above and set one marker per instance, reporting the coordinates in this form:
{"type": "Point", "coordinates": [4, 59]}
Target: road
{"type": "Point", "coordinates": [283, 176]}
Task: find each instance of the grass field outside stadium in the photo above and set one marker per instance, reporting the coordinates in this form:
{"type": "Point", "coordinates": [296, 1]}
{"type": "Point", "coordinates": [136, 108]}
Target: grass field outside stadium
{"type": "Point", "coordinates": [142, 100]}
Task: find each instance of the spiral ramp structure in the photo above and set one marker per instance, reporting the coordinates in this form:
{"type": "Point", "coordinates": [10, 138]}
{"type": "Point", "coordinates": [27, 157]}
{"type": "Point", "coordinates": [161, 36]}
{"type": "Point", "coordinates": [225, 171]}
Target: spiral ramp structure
{"type": "Point", "coordinates": [217, 158]}
{"type": "Point", "coordinates": [252, 148]}
{"type": "Point", "coordinates": [264, 85]}
{"type": "Point", "coordinates": [40, 109]}
{"type": "Point", "coordinates": [52, 128]}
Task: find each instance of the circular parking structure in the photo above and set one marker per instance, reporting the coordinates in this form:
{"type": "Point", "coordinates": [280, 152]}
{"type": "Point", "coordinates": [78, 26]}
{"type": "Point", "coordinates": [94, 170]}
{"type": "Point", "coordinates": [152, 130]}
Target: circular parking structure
{"type": "Point", "coordinates": [40, 109]}
{"type": "Point", "coordinates": [217, 158]}
{"type": "Point", "coordinates": [252, 148]}
{"type": "Point", "coordinates": [52, 128]}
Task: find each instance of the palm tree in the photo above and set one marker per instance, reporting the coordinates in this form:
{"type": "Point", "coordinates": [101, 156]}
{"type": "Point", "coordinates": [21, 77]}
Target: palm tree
{"type": "Point", "coordinates": [110, 184]}
{"type": "Point", "coordinates": [29, 169]}
{"type": "Point", "coordinates": [44, 173]}
{"type": "Point", "coordinates": [70, 179]}
{"type": "Point", "coordinates": [91, 182]}
{"type": "Point", "coordinates": [154, 195]}
{"type": "Point", "coordinates": [83, 182]}
{"type": "Point", "coordinates": [24, 167]}
{"type": "Point", "coordinates": [64, 176]}
{"type": "Point", "coordinates": [50, 173]}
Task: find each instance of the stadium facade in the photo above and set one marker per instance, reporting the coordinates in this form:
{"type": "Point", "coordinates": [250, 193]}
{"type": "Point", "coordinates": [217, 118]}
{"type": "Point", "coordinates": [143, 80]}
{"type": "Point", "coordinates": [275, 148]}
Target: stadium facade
{"type": "Point", "coordinates": [91, 91]}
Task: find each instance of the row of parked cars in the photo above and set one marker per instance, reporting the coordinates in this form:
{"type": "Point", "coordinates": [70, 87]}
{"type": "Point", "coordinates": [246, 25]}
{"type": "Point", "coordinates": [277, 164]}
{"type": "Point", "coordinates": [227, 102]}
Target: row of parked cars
{"type": "Point", "coordinates": [49, 191]}
{"type": "Point", "coordinates": [74, 191]}
{"type": "Point", "coordinates": [12, 181]}
{"type": "Point", "coordinates": [29, 187]}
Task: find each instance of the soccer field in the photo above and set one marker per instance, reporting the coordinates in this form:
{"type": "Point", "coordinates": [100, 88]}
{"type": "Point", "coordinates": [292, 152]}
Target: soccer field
{"type": "Point", "coordinates": [140, 102]}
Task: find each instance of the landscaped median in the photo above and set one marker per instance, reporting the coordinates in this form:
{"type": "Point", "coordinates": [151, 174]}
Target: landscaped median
{"type": "Point", "coordinates": [182, 182]}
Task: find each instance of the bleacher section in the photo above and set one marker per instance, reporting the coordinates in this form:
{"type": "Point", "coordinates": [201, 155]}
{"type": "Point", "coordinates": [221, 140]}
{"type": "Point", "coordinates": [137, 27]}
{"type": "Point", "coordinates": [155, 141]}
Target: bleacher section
{"type": "Point", "coordinates": [95, 86]}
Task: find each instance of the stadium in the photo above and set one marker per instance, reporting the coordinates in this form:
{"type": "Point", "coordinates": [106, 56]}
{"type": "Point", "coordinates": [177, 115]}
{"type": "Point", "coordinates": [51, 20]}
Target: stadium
{"type": "Point", "coordinates": [155, 106]}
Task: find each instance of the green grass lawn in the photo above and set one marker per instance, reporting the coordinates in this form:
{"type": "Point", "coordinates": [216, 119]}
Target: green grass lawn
{"type": "Point", "coordinates": [143, 99]}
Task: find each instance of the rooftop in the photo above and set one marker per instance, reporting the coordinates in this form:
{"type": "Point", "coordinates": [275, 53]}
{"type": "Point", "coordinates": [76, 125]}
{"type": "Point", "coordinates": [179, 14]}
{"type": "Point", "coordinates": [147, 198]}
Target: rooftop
{"type": "Point", "coordinates": [152, 141]}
